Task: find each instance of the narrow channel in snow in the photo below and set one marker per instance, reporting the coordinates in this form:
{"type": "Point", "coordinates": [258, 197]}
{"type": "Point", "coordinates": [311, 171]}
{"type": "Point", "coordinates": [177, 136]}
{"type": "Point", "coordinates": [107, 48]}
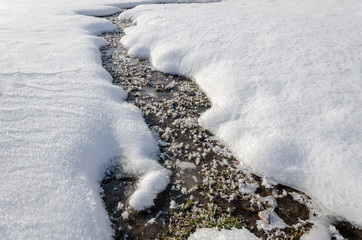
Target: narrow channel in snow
{"type": "Point", "coordinates": [62, 120]}
{"type": "Point", "coordinates": [284, 81]}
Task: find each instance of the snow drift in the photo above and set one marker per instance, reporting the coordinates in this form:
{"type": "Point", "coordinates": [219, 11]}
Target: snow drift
{"type": "Point", "coordinates": [62, 120]}
{"type": "Point", "coordinates": [284, 79]}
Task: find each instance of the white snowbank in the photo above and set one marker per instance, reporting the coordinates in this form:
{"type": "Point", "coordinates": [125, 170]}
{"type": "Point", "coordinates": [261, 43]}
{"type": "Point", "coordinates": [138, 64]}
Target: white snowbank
{"type": "Point", "coordinates": [61, 121]}
{"type": "Point", "coordinates": [319, 231]}
{"type": "Point", "coordinates": [234, 234]}
{"type": "Point", "coordinates": [284, 79]}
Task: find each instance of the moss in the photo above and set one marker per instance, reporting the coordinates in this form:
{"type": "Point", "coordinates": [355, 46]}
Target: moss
{"type": "Point", "coordinates": [185, 221]}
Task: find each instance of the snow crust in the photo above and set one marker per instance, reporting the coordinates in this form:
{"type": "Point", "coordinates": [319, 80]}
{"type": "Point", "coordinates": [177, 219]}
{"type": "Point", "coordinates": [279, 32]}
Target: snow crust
{"type": "Point", "coordinates": [284, 78]}
{"type": "Point", "coordinates": [62, 120]}
{"type": "Point", "coordinates": [234, 234]}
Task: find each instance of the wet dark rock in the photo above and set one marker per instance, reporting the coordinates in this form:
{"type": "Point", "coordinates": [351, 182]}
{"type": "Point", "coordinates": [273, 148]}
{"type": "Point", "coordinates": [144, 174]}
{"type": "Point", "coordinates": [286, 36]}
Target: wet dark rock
{"type": "Point", "coordinates": [349, 231]}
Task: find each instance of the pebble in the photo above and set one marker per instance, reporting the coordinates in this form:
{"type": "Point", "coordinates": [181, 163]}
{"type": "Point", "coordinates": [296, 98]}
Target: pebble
{"type": "Point", "coordinates": [264, 216]}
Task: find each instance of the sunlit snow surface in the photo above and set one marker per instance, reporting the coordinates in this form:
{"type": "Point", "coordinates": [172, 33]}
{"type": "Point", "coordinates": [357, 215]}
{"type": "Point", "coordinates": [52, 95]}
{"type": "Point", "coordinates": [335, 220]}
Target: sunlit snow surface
{"type": "Point", "coordinates": [284, 79]}
{"type": "Point", "coordinates": [62, 120]}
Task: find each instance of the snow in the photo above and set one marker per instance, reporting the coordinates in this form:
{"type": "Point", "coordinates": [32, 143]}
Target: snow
{"type": "Point", "coordinates": [284, 80]}
{"type": "Point", "coordinates": [323, 230]}
{"type": "Point", "coordinates": [125, 215]}
{"type": "Point", "coordinates": [149, 186]}
{"type": "Point", "coordinates": [234, 234]}
{"type": "Point", "coordinates": [62, 121]}
{"type": "Point", "coordinates": [139, 51]}
{"type": "Point", "coordinates": [173, 204]}
{"type": "Point", "coordinates": [318, 231]}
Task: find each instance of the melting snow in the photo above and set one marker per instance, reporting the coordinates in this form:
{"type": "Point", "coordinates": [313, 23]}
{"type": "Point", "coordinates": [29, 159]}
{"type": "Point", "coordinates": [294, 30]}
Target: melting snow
{"type": "Point", "coordinates": [284, 79]}
{"type": "Point", "coordinates": [62, 120]}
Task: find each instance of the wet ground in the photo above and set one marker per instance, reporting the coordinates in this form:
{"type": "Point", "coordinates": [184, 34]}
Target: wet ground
{"type": "Point", "coordinates": [208, 188]}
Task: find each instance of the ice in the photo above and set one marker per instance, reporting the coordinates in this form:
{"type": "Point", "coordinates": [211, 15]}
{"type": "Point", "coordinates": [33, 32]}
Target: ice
{"type": "Point", "coordinates": [234, 234]}
{"type": "Point", "coordinates": [284, 80]}
{"type": "Point", "coordinates": [62, 121]}
{"type": "Point", "coordinates": [186, 165]}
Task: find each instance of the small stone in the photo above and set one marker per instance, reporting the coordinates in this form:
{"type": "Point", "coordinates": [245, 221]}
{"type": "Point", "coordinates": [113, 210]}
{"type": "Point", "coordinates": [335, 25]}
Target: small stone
{"type": "Point", "coordinates": [120, 206]}
{"type": "Point", "coordinates": [151, 221]}
{"type": "Point", "coordinates": [125, 215]}
{"type": "Point", "coordinates": [264, 216]}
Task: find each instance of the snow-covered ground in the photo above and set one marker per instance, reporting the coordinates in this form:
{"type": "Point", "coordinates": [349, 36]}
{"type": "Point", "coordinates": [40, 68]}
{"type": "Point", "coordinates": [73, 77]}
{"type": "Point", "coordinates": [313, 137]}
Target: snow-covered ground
{"type": "Point", "coordinates": [62, 120]}
{"type": "Point", "coordinates": [284, 78]}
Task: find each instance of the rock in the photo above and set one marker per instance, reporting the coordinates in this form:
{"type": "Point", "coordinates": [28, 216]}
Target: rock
{"type": "Point", "coordinates": [264, 216]}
